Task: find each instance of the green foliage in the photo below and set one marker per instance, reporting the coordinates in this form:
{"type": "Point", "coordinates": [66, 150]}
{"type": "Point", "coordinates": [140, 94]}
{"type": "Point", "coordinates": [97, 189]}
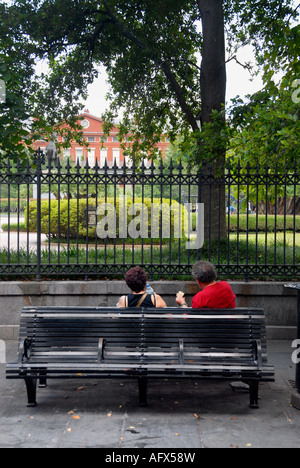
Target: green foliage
{"type": "Point", "coordinates": [151, 51]}
{"type": "Point", "coordinates": [12, 205]}
{"type": "Point", "coordinates": [225, 252]}
{"type": "Point", "coordinates": [16, 71]}
{"type": "Point", "coordinates": [266, 129]}
{"type": "Point", "coordinates": [261, 223]}
{"type": "Point", "coordinates": [67, 219]}
{"type": "Point", "coordinates": [36, 104]}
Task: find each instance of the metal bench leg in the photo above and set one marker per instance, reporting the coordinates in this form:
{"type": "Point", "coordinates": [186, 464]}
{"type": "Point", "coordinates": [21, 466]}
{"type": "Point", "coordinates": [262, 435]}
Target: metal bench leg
{"type": "Point", "coordinates": [31, 391]}
{"type": "Point", "coordinates": [143, 391]}
{"type": "Point", "coordinates": [43, 380]}
{"type": "Point", "coordinates": [254, 394]}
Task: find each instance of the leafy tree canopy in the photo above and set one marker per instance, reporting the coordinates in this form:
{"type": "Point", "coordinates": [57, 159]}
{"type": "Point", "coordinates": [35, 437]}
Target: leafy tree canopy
{"type": "Point", "coordinates": [152, 50]}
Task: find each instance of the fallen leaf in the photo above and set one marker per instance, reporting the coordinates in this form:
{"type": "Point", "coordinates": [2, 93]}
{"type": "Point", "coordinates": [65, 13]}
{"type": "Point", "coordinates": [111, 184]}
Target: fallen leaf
{"type": "Point", "coordinates": [76, 416]}
{"type": "Point", "coordinates": [177, 434]}
{"type": "Point", "coordinates": [233, 418]}
{"type": "Point", "coordinates": [249, 445]}
{"type": "Point", "coordinates": [71, 412]}
{"type": "Point", "coordinates": [196, 416]}
{"type": "Point", "coordinates": [109, 415]}
{"type": "Point", "coordinates": [69, 430]}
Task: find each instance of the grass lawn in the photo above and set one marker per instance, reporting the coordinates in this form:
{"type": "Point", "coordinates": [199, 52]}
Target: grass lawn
{"type": "Point", "coordinates": [288, 238]}
{"type": "Point", "coordinates": [252, 252]}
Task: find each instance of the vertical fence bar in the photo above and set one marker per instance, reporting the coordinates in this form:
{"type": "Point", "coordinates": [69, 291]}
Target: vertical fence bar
{"type": "Point", "coordinates": [266, 213]}
{"type": "Point", "coordinates": [256, 212]}
{"type": "Point", "coordinates": [78, 180]}
{"type": "Point", "coordinates": [18, 210]}
{"type": "Point", "coordinates": [28, 183]}
{"type": "Point", "coordinates": [294, 213]}
{"type": "Point", "coordinates": [39, 159]}
{"type": "Point", "coordinates": [228, 218]}
{"type": "Point", "coordinates": [285, 213]}
{"type": "Point", "coordinates": [199, 190]}
{"type": "Point", "coordinates": [9, 210]}
{"type": "Point", "coordinates": [87, 169]}
{"type": "Point", "coordinates": [49, 213]}
{"type": "Point", "coordinates": [239, 206]}
{"type": "Point", "coordinates": [59, 173]}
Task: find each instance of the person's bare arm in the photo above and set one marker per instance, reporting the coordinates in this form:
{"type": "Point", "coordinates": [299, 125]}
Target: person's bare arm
{"type": "Point", "coordinates": [122, 304]}
{"type": "Point", "coordinates": [160, 303]}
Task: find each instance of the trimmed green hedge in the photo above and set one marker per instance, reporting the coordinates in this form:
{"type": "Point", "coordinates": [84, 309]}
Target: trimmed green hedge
{"type": "Point", "coordinates": [67, 219]}
{"type": "Point", "coordinates": [258, 223]}
{"type": "Point", "coordinates": [12, 205]}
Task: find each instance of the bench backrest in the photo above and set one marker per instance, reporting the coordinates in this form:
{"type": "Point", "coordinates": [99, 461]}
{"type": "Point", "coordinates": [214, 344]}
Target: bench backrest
{"type": "Point", "coordinates": [93, 334]}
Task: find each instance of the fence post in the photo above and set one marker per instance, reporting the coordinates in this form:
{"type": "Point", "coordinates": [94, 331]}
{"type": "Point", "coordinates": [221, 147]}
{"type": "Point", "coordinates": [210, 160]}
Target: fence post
{"type": "Point", "coordinates": [38, 159]}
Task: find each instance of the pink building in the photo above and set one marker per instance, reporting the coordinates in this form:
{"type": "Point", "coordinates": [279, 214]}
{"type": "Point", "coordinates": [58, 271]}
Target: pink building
{"type": "Point", "coordinates": [100, 147]}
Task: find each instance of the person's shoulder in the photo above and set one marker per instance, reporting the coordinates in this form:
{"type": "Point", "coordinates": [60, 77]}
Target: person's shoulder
{"type": "Point", "coordinates": [122, 302]}
{"type": "Point", "coordinates": [197, 300]}
{"type": "Point", "coordinates": [224, 284]}
{"type": "Point", "coordinates": [159, 301]}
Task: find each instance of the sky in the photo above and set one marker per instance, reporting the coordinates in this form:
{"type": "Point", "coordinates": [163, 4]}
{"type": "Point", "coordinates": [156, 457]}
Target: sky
{"type": "Point", "coordinates": [239, 82]}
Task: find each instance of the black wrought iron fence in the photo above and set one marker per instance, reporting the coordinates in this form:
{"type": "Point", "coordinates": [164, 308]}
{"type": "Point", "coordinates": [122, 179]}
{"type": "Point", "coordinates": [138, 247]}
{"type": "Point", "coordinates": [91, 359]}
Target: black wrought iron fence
{"type": "Point", "coordinates": [96, 222]}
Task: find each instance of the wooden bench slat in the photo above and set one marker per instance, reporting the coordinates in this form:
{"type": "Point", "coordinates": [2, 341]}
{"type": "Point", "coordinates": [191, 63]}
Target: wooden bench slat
{"type": "Point", "coordinates": [108, 342]}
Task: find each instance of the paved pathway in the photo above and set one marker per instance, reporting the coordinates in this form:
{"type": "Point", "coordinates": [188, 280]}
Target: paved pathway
{"type": "Point", "coordinates": [14, 239]}
{"type": "Point", "coordinates": [181, 414]}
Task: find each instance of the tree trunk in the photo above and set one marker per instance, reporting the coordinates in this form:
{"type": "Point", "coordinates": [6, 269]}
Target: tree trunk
{"type": "Point", "coordinates": [213, 96]}
{"type": "Point", "coordinates": [213, 68]}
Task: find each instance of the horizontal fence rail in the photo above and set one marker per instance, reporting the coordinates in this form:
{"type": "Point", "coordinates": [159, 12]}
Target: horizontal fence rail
{"type": "Point", "coordinates": [65, 220]}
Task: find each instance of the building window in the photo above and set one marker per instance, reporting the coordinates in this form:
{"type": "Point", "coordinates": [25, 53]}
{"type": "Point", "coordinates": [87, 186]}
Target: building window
{"type": "Point", "coordinates": [91, 139]}
{"type": "Point", "coordinates": [66, 153]}
{"type": "Point", "coordinates": [91, 157]}
{"type": "Point", "coordinates": [116, 156]}
{"type": "Point", "coordinates": [79, 155]}
{"type": "Point", "coordinates": [128, 161]}
{"type": "Point", "coordinates": [103, 157]}
{"type": "Point", "coordinates": [115, 139]}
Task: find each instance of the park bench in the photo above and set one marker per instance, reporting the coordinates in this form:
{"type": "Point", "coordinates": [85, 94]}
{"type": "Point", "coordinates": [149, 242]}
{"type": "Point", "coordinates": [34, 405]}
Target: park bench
{"type": "Point", "coordinates": [97, 342]}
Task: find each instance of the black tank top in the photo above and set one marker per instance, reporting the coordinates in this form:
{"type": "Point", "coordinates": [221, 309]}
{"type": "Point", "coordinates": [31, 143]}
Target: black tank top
{"type": "Point", "coordinates": [133, 300]}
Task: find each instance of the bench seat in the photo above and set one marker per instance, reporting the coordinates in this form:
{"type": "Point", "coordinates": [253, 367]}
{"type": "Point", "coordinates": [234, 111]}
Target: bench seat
{"type": "Point", "coordinates": [87, 342]}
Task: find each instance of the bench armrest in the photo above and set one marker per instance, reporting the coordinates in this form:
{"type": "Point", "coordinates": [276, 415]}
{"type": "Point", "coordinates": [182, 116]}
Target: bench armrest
{"type": "Point", "coordinates": [258, 353]}
{"type": "Point", "coordinates": [24, 349]}
{"type": "Point", "coordinates": [101, 344]}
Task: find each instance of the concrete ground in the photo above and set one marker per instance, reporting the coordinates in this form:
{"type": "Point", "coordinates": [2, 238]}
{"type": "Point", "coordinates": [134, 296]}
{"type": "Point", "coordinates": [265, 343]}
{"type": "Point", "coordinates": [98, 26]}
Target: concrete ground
{"type": "Point", "coordinates": [182, 414]}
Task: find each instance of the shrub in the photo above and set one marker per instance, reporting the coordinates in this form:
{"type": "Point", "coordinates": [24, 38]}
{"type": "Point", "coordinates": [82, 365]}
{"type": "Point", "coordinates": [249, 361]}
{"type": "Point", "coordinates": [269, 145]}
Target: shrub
{"type": "Point", "coordinates": [67, 219]}
{"type": "Point", "coordinates": [262, 223]}
{"type": "Point", "coordinates": [12, 205]}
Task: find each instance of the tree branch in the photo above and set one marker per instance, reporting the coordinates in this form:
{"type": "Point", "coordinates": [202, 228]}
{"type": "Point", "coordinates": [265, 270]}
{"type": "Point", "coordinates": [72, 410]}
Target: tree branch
{"type": "Point", "coordinates": [159, 62]}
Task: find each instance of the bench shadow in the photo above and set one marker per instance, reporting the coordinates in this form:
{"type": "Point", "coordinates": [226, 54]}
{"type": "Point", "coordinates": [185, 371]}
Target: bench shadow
{"type": "Point", "coordinates": [164, 396]}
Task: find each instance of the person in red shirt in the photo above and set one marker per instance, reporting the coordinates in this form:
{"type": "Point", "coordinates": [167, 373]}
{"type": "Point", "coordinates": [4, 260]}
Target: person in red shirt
{"type": "Point", "coordinates": [214, 294]}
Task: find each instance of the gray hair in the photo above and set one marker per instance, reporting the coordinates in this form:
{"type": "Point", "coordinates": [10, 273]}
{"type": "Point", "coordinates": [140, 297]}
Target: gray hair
{"type": "Point", "coordinates": [204, 272]}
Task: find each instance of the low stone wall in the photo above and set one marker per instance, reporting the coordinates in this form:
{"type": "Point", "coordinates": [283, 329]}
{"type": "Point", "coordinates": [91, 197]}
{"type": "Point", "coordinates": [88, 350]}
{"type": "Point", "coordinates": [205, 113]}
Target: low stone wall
{"type": "Point", "coordinates": [278, 302]}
